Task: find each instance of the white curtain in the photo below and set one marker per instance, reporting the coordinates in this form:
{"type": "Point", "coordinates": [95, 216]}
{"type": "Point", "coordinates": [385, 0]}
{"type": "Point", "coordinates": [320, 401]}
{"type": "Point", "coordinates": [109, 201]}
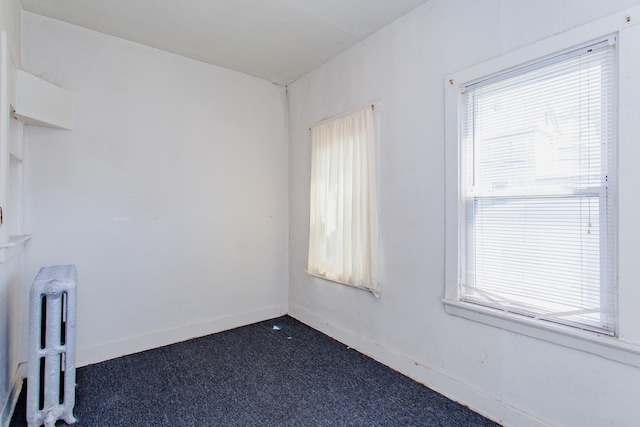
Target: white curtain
{"type": "Point", "coordinates": [343, 233]}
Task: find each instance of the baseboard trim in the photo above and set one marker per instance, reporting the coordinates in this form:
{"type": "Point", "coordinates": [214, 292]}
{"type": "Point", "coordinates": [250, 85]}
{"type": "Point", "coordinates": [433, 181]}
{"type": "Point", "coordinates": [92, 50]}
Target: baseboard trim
{"type": "Point", "coordinates": [476, 400]}
{"type": "Point", "coordinates": [111, 350]}
{"type": "Point", "coordinates": [9, 403]}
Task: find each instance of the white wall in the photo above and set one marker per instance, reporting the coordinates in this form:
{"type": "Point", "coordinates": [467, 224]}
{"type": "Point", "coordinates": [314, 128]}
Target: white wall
{"type": "Point", "coordinates": [512, 378]}
{"type": "Point", "coordinates": [10, 377]}
{"type": "Point", "coordinates": [10, 270]}
{"type": "Point", "coordinates": [170, 196]}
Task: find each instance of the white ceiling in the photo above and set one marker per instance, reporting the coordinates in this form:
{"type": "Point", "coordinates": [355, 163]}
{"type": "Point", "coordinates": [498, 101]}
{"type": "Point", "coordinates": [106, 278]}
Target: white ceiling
{"type": "Point", "coordinates": [279, 40]}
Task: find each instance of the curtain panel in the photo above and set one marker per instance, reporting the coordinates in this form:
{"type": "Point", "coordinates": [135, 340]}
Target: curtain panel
{"type": "Point", "coordinates": [343, 232]}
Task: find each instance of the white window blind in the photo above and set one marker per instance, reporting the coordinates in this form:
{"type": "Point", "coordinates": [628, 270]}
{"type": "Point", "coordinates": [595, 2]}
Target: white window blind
{"type": "Point", "coordinates": [538, 190]}
{"type": "Point", "coordinates": [343, 231]}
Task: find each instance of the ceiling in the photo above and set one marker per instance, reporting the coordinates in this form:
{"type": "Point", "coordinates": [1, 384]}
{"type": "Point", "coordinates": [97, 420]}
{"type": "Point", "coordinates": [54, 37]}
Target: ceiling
{"type": "Point", "coordinates": [278, 40]}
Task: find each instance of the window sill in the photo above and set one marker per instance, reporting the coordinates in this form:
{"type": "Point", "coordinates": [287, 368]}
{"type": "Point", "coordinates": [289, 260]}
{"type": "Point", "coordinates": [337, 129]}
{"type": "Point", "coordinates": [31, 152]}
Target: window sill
{"type": "Point", "coordinates": [605, 346]}
{"type": "Point", "coordinates": [13, 247]}
{"type": "Point", "coordinates": [374, 292]}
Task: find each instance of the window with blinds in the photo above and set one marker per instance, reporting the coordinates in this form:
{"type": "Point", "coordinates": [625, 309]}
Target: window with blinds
{"type": "Point", "coordinates": [538, 230]}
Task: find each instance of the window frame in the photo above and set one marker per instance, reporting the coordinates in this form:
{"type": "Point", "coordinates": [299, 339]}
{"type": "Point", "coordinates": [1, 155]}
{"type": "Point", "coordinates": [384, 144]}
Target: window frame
{"type": "Point", "coordinates": [472, 197]}
{"type": "Point", "coordinates": [625, 347]}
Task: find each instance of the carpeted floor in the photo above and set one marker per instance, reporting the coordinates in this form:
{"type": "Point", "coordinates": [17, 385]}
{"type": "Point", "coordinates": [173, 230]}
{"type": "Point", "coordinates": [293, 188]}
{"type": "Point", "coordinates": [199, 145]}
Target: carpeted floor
{"type": "Point", "coordinates": [256, 375]}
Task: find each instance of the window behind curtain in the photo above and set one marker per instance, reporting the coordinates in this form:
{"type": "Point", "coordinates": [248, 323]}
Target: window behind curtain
{"type": "Point", "coordinates": [538, 190]}
{"type": "Point", "coordinates": [343, 231]}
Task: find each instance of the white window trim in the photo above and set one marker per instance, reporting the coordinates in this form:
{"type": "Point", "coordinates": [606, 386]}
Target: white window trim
{"type": "Point", "coordinates": [625, 347]}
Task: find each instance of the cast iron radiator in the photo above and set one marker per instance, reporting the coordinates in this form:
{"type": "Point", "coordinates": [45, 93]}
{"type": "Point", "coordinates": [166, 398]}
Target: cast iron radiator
{"type": "Point", "coordinates": [51, 378]}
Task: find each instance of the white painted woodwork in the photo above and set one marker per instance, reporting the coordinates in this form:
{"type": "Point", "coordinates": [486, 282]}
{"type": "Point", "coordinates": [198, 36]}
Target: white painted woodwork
{"type": "Point", "coordinates": [11, 296]}
{"type": "Point", "coordinates": [41, 103]}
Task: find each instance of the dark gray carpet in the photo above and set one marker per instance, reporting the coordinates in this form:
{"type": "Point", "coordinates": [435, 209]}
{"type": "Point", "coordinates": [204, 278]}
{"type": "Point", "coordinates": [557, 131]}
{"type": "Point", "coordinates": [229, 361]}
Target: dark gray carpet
{"type": "Point", "coordinates": [256, 376]}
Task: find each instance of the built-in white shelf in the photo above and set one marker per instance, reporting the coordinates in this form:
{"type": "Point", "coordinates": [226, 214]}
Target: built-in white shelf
{"type": "Point", "coordinates": [41, 103]}
{"type": "Point", "coordinates": [13, 247]}
{"type": "Point", "coordinates": [16, 157]}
